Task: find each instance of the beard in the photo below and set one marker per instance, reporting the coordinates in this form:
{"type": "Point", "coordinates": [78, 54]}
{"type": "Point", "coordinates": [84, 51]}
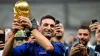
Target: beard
{"type": "Point", "coordinates": [59, 35]}
{"type": "Point", "coordinates": [83, 42]}
{"type": "Point", "coordinates": [48, 33]}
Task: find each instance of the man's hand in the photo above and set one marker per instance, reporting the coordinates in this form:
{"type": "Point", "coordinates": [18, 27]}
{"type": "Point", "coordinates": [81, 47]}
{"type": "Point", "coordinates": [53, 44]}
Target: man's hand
{"type": "Point", "coordinates": [16, 26]}
{"type": "Point", "coordinates": [79, 48]}
{"type": "Point", "coordinates": [83, 49]}
{"type": "Point", "coordinates": [93, 26]}
{"type": "Point", "coordinates": [74, 49]}
{"type": "Point", "coordinates": [25, 22]}
{"type": "Point", "coordinates": [1, 45]}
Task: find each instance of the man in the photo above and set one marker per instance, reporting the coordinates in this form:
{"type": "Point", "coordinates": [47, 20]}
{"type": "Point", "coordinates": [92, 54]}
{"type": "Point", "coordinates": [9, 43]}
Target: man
{"type": "Point", "coordinates": [71, 38]}
{"type": "Point", "coordinates": [97, 35]}
{"type": "Point", "coordinates": [59, 33]}
{"type": "Point", "coordinates": [81, 49]}
{"type": "Point", "coordinates": [1, 41]}
{"type": "Point", "coordinates": [43, 46]}
{"type": "Point", "coordinates": [97, 47]}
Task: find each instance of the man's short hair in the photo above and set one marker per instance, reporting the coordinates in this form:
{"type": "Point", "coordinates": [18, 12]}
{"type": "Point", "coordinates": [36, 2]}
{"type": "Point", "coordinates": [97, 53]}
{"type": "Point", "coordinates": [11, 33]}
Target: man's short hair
{"type": "Point", "coordinates": [85, 27]}
{"type": "Point", "coordinates": [49, 17]}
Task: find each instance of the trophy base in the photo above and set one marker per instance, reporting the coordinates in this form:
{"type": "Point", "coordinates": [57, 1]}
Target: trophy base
{"type": "Point", "coordinates": [21, 38]}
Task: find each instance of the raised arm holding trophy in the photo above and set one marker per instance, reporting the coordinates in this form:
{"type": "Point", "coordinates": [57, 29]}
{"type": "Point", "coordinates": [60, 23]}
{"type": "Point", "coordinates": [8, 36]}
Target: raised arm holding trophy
{"type": "Point", "coordinates": [21, 9]}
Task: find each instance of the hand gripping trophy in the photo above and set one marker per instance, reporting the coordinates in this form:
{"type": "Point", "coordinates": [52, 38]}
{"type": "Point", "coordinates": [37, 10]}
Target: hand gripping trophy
{"type": "Point", "coordinates": [21, 8]}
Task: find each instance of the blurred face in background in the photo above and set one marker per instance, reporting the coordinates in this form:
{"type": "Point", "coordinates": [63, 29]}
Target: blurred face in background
{"type": "Point", "coordinates": [98, 34]}
{"type": "Point", "coordinates": [31, 39]}
{"type": "Point", "coordinates": [47, 27]}
{"type": "Point", "coordinates": [59, 31]}
{"type": "Point", "coordinates": [84, 36]}
{"type": "Point", "coordinates": [71, 39]}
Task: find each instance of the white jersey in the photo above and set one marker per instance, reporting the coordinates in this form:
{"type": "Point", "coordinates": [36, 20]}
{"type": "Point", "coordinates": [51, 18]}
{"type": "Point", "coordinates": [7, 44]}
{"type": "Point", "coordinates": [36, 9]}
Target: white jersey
{"type": "Point", "coordinates": [1, 51]}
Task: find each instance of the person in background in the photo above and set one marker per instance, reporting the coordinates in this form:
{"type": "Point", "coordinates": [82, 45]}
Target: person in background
{"type": "Point", "coordinates": [97, 46]}
{"type": "Point", "coordinates": [81, 48]}
{"type": "Point", "coordinates": [70, 42]}
{"type": "Point", "coordinates": [71, 38]}
{"type": "Point", "coordinates": [59, 33]}
{"type": "Point", "coordinates": [1, 41]}
{"type": "Point", "coordinates": [31, 38]}
{"type": "Point", "coordinates": [93, 26]}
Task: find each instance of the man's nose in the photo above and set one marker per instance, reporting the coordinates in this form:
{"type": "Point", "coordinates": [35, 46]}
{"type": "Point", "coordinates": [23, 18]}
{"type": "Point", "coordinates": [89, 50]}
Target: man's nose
{"type": "Point", "coordinates": [48, 27]}
{"type": "Point", "coordinates": [81, 36]}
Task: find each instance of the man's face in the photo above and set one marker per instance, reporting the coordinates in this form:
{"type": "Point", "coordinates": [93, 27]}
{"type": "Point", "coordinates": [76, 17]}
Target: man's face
{"type": "Point", "coordinates": [84, 36]}
{"type": "Point", "coordinates": [47, 27]}
{"type": "Point", "coordinates": [98, 33]}
{"type": "Point", "coordinates": [59, 30]}
{"type": "Point", "coordinates": [71, 39]}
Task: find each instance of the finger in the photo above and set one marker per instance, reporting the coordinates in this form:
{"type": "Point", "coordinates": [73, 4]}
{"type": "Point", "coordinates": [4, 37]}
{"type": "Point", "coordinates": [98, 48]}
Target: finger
{"type": "Point", "coordinates": [2, 47]}
{"type": "Point", "coordinates": [25, 23]}
{"type": "Point", "coordinates": [83, 48]}
{"type": "Point", "coordinates": [2, 44]}
{"type": "Point", "coordinates": [21, 17]}
{"type": "Point", "coordinates": [1, 41]}
{"type": "Point", "coordinates": [24, 20]}
{"type": "Point", "coordinates": [97, 23]}
{"type": "Point", "coordinates": [93, 25]}
{"type": "Point", "coordinates": [16, 24]}
{"type": "Point", "coordinates": [76, 51]}
{"type": "Point", "coordinates": [81, 45]}
{"type": "Point", "coordinates": [17, 27]}
{"type": "Point", "coordinates": [76, 48]}
{"type": "Point", "coordinates": [75, 45]}
{"type": "Point", "coordinates": [93, 28]}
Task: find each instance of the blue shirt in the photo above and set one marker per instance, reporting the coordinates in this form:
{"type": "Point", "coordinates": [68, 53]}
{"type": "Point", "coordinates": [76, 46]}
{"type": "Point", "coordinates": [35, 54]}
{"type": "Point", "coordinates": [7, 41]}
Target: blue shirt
{"type": "Point", "coordinates": [34, 49]}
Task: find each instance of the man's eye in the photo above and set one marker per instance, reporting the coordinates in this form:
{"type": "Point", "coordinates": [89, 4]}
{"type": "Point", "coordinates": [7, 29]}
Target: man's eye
{"type": "Point", "coordinates": [85, 34]}
{"type": "Point", "coordinates": [98, 31]}
{"type": "Point", "coordinates": [80, 34]}
{"type": "Point", "coordinates": [52, 26]}
{"type": "Point", "coordinates": [45, 25]}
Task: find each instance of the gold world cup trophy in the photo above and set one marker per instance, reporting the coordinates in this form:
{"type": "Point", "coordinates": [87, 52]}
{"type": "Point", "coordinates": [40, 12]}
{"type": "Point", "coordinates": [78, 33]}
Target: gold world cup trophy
{"type": "Point", "coordinates": [21, 8]}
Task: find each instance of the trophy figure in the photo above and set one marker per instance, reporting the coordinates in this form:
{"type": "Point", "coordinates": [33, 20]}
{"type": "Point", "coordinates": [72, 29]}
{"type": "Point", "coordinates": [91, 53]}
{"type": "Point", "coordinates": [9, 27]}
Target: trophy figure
{"type": "Point", "coordinates": [21, 8]}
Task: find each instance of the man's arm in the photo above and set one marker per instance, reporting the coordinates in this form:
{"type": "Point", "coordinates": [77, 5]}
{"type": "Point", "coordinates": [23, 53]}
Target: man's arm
{"type": "Point", "coordinates": [43, 41]}
{"type": "Point", "coordinates": [8, 46]}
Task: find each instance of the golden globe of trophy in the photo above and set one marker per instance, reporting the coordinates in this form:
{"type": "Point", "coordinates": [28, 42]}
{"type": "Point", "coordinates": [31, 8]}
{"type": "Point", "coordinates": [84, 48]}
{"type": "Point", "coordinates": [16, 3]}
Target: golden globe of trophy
{"type": "Point", "coordinates": [21, 8]}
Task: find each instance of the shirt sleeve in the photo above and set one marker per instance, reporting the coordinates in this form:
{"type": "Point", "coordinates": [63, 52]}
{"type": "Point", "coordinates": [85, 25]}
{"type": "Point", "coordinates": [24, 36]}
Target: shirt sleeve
{"type": "Point", "coordinates": [59, 48]}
